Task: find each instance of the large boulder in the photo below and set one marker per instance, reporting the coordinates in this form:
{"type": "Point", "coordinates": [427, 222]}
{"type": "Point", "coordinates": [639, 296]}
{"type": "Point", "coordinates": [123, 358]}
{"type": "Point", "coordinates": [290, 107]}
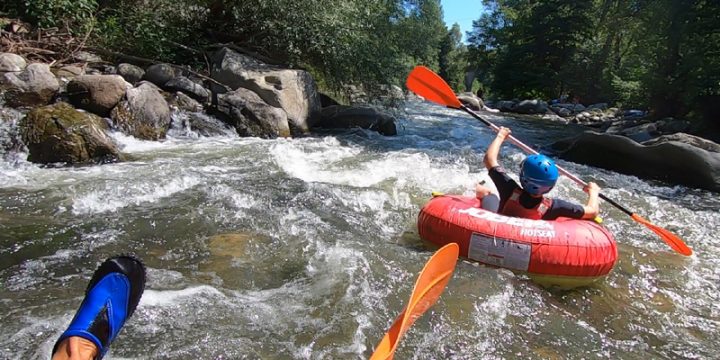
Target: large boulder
{"type": "Point", "coordinates": [160, 74]}
{"type": "Point", "coordinates": [251, 116]}
{"type": "Point", "coordinates": [344, 117]}
{"type": "Point", "coordinates": [531, 107]}
{"type": "Point", "coordinates": [59, 133]}
{"type": "Point", "coordinates": [471, 101]}
{"type": "Point", "coordinates": [10, 62]}
{"type": "Point", "coordinates": [505, 105]}
{"type": "Point", "coordinates": [97, 93]}
{"type": "Point", "coordinates": [675, 159]}
{"type": "Point", "coordinates": [145, 114]}
{"type": "Point", "coordinates": [294, 91]}
{"type": "Point", "coordinates": [34, 86]}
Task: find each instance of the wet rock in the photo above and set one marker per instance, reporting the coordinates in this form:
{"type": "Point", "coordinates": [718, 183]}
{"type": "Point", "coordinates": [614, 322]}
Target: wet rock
{"type": "Point", "coordinates": [184, 102]}
{"type": "Point", "coordinates": [97, 93]}
{"type": "Point", "coordinates": [251, 116]}
{"type": "Point", "coordinates": [60, 133]}
{"type": "Point", "coordinates": [531, 107]}
{"type": "Point", "coordinates": [294, 91]}
{"type": "Point", "coordinates": [344, 117]}
{"type": "Point", "coordinates": [159, 74]}
{"type": "Point", "coordinates": [196, 91]}
{"type": "Point", "coordinates": [10, 62]}
{"type": "Point", "coordinates": [130, 73]}
{"type": "Point", "coordinates": [34, 86]}
{"type": "Point", "coordinates": [505, 105]}
{"type": "Point", "coordinates": [326, 100]}
{"type": "Point", "coordinates": [686, 139]}
{"type": "Point", "coordinates": [674, 159]}
{"type": "Point", "coordinates": [145, 114]}
{"type": "Point", "coordinates": [471, 101]}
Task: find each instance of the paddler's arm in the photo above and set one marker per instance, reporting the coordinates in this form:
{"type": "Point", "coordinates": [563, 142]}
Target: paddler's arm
{"type": "Point", "coordinates": [592, 208]}
{"type": "Point", "coordinates": [493, 150]}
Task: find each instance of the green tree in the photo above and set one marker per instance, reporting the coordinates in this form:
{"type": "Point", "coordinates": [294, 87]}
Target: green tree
{"type": "Point", "coordinates": [452, 58]}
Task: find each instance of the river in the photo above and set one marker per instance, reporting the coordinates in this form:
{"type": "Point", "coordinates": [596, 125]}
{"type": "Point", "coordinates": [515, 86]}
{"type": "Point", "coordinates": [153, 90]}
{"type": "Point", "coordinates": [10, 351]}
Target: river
{"type": "Point", "coordinates": [307, 249]}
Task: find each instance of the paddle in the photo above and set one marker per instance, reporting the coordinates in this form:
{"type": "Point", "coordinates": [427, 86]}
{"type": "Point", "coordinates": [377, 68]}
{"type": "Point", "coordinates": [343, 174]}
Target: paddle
{"type": "Point", "coordinates": [425, 83]}
{"type": "Point", "coordinates": [428, 287]}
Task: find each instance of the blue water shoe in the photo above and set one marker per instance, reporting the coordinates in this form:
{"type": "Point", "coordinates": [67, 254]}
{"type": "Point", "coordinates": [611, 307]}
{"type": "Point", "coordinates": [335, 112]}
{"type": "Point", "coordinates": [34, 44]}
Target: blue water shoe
{"type": "Point", "coordinates": [110, 299]}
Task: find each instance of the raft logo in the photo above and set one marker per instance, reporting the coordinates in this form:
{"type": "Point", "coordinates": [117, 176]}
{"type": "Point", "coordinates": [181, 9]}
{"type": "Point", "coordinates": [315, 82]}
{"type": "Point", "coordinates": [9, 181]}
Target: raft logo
{"type": "Point", "coordinates": [530, 227]}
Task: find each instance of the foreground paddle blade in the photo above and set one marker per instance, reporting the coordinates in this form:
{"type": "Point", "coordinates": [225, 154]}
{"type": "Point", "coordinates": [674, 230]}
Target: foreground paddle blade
{"type": "Point", "coordinates": [671, 239]}
{"type": "Point", "coordinates": [428, 287]}
{"type": "Point", "coordinates": [424, 82]}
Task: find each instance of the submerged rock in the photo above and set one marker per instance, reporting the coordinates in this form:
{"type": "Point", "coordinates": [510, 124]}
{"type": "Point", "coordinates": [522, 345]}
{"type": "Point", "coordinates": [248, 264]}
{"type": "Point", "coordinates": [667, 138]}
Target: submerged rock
{"type": "Point", "coordinates": [60, 133]}
{"type": "Point", "coordinates": [675, 158]}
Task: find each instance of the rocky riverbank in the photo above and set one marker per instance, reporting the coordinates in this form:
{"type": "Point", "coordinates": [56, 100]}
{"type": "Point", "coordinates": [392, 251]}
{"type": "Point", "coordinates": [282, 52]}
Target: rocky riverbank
{"type": "Point", "coordinates": [625, 141]}
{"type": "Point", "coordinates": [70, 109]}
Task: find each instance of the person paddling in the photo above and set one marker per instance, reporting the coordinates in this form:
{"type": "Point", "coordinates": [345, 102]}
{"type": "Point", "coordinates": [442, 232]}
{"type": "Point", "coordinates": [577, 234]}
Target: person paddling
{"type": "Point", "coordinates": [537, 177]}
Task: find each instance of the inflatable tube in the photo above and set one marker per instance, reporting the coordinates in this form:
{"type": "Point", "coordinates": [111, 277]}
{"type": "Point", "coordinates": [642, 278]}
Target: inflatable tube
{"type": "Point", "coordinates": [564, 253]}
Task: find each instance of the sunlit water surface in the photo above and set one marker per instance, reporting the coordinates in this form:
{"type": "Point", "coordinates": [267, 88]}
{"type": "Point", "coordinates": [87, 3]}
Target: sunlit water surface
{"type": "Point", "coordinates": [308, 248]}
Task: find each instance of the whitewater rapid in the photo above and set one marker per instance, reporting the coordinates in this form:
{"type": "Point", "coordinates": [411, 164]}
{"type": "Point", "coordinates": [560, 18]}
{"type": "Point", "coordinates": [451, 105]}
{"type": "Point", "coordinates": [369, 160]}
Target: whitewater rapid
{"type": "Point", "coordinates": [307, 248]}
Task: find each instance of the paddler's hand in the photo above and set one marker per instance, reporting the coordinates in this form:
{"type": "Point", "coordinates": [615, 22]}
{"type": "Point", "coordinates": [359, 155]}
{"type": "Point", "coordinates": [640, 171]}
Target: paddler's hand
{"type": "Point", "coordinates": [592, 188]}
{"type": "Point", "coordinates": [503, 133]}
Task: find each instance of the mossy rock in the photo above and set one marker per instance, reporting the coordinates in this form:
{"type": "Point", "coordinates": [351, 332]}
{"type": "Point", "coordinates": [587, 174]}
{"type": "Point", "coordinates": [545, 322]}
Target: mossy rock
{"type": "Point", "coordinates": [61, 134]}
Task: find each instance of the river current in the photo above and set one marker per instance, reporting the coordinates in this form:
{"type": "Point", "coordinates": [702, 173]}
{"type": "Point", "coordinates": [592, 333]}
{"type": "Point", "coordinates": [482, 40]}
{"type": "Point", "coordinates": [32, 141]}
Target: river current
{"type": "Point", "coordinates": [307, 248]}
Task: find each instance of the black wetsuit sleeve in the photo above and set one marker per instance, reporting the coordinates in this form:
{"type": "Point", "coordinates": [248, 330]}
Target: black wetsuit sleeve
{"type": "Point", "coordinates": [505, 184]}
{"type": "Point", "coordinates": [562, 208]}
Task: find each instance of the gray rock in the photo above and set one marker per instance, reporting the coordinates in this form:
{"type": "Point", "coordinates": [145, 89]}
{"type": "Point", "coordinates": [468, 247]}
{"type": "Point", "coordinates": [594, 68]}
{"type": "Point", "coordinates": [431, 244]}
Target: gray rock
{"type": "Point", "coordinates": [145, 114]}
{"type": "Point", "coordinates": [294, 91]}
{"type": "Point", "coordinates": [159, 74]}
{"type": "Point", "coordinates": [641, 133]}
{"type": "Point", "coordinates": [506, 105]}
{"type": "Point", "coordinates": [344, 117]}
{"type": "Point", "coordinates": [130, 73]}
{"type": "Point", "coordinates": [85, 56]}
{"type": "Point", "coordinates": [10, 62]}
{"type": "Point", "coordinates": [666, 159]}
{"type": "Point", "coordinates": [251, 116]}
{"type": "Point", "coordinates": [70, 72]}
{"type": "Point", "coordinates": [97, 93]}
{"type": "Point", "coordinates": [531, 107]}
{"type": "Point", "coordinates": [189, 87]}
{"type": "Point", "coordinates": [686, 139]}
{"type": "Point", "coordinates": [34, 86]}
{"type": "Point", "coordinates": [671, 126]}
{"type": "Point", "coordinates": [184, 102]}
{"type": "Point", "coordinates": [59, 133]}
{"type": "Point", "coordinates": [469, 100]}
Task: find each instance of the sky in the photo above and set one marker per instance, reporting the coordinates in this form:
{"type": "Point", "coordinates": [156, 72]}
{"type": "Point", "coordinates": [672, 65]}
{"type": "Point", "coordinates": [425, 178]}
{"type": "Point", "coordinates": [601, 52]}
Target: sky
{"type": "Point", "coordinates": [462, 12]}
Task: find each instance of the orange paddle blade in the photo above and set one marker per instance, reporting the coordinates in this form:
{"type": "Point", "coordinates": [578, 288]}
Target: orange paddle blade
{"type": "Point", "coordinates": [424, 82]}
{"type": "Point", "coordinates": [671, 239]}
{"type": "Point", "coordinates": [428, 287]}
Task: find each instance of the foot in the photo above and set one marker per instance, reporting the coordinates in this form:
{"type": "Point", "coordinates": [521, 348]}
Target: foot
{"type": "Point", "coordinates": [110, 299]}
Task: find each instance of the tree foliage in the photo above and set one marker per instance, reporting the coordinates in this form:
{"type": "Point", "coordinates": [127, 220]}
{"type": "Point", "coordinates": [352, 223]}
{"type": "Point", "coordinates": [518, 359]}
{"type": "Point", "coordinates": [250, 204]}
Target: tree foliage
{"type": "Point", "coordinates": [662, 55]}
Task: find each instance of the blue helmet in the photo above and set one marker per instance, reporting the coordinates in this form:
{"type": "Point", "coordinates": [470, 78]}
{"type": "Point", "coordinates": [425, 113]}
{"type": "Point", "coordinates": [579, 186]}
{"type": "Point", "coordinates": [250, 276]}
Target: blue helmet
{"type": "Point", "coordinates": [538, 175]}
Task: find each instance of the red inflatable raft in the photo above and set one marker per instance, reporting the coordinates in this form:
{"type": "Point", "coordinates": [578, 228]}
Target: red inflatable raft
{"type": "Point", "coordinates": [564, 253]}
